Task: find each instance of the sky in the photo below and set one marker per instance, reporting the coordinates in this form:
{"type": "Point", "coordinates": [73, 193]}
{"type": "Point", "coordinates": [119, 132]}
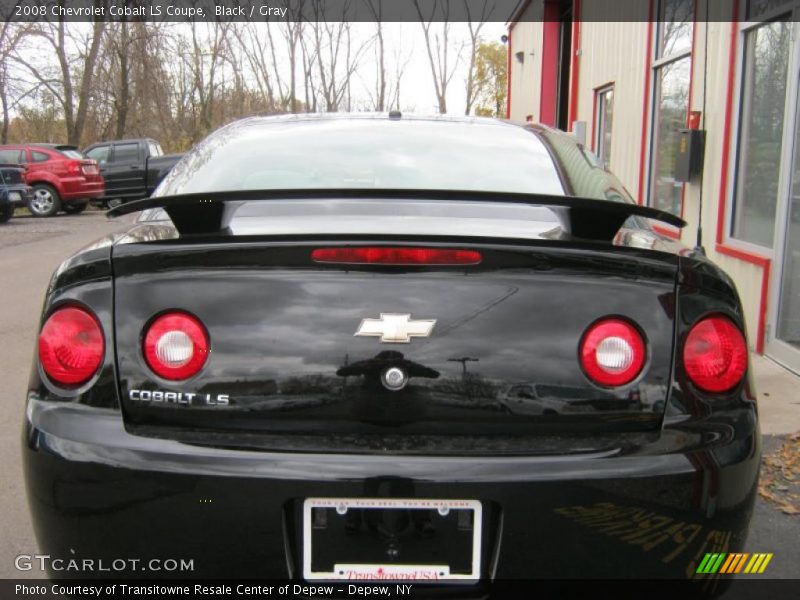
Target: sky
{"type": "Point", "coordinates": [404, 39]}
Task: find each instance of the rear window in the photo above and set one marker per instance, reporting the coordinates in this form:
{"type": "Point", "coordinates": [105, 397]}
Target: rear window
{"type": "Point", "coordinates": [398, 217]}
{"type": "Point", "coordinates": [338, 153]}
{"type": "Point", "coordinates": [11, 156]}
{"type": "Point", "coordinates": [37, 156]}
{"type": "Point", "coordinates": [72, 154]}
{"type": "Point", "coordinates": [100, 153]}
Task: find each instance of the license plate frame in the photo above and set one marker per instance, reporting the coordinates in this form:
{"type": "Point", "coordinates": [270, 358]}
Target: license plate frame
{"type": "Point", "coordinates": [393, 571]}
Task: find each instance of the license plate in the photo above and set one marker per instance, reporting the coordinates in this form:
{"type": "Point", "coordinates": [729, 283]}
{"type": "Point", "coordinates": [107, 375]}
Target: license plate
{"type": "Point", "coordinates": [388, 539]}
{"type": "Point", "coordinates": [15, 196]}
{"type": "Point", "coordinates": [90, 170]}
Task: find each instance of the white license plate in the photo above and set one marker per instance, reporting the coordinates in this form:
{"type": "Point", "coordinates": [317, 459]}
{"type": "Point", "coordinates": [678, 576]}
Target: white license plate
{"type": "Point", "coordinates": [398, 570]}
{"type": "Point", "coordinates": [15, 196]}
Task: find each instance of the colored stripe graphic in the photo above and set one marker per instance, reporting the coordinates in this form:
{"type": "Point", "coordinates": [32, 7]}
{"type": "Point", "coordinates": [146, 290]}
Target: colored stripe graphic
{"type": "Point", "coordinates": [758, 563]}
{"type": "Point", "coordinates": [734, 563]}
{"type": "Point", "coordinates": [711, 563]}
{"type": "Point", "coordinates": [732, 558]}
{"type": "Point", "coordinates": [741, 562]}
{"type": "Point", "coordinates": [724, 563]}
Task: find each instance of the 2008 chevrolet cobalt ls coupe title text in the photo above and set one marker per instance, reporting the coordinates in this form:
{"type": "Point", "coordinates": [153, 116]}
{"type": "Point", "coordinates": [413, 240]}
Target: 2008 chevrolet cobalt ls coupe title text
{"type": "Point", "coordinates": [339, 347]}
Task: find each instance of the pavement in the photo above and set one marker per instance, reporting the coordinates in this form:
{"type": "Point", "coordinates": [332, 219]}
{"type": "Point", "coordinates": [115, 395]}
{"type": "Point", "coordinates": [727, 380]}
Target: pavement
{"type": "Point", "coordinates": [30, 249]}
{"type": "Point", "coordinates": [778, 397]}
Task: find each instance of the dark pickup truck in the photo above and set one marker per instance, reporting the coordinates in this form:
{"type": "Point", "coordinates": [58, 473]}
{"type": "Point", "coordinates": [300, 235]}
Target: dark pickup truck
{"type": "Point", "coordinates": [131, 168]}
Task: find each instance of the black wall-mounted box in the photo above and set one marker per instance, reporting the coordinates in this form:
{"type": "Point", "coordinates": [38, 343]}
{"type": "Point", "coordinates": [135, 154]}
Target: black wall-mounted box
{"type": "Point", "coordinates": [689, 157]}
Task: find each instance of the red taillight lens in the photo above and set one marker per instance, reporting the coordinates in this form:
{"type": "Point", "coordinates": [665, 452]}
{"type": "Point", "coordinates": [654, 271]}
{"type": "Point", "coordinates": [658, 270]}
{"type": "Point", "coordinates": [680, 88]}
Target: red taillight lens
{"type": "Point", "coordinates": [612, 352]}
{"type": "Point", "coordinates": [176, 346]}
{"type": "Point", "coordinates": [396, 256]}
{"type": "Point", "coordinates": [715, 354]}
{"type": "Point", "coordinates": [71, 346]}
{"type": "Point", "coordinates": [74, 167]}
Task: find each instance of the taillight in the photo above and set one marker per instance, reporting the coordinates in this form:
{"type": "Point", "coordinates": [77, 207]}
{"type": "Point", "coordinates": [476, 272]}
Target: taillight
{"type": "Point", "coordinates": [176, 346]}
{"type": "Point", "coordinates": [612, 352]}
{"type": "Point", "coordinates": [71, 346]}
{"type": "Point", "coordinates": [715, 354]}
{"type": "Point", "coordinates": [73, 167]}
{"type": "Point", "coordinates": [396, 256]}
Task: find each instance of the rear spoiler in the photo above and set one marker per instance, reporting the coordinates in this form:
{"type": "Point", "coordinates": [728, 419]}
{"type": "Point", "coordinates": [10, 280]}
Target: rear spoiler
{"type": "Point", "coordinates": [210, 213]}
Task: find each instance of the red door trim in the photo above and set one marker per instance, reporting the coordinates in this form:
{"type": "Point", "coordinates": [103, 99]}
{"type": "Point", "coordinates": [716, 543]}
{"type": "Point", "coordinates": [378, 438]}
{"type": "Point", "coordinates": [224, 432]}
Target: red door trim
{"type": "Point", "coordinates": [508, 72]}
{"type": "Point", "coordinates": [548, 98]}
{"type": "Point", "coordinates": [575, 63]}
{"type": "Point", "coordinates": [721, 247]}
{"type": "Point", "coordinates": [646, 105]}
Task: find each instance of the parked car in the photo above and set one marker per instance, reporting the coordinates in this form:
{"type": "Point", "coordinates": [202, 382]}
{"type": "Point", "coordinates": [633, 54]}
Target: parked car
{"type": "Point", "coordinates": [131, 168]}
{"type": "Point", "coordinates": [368, 285]}
{"type": "Point", "coordinates": [61, 177]}
{"type": "Point", "coordinates": [13, 190]}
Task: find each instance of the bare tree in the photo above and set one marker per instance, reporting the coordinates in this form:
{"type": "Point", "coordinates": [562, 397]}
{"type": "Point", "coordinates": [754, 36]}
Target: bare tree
{"type": "Point", "coordinates": [376, 8]}
{"type": "Point", "coordinates": [260, 55]}
{"type": "Point", "coordinates": [400, 63]}
{"type": "Point", "coordinates": [336, 58]}
{"type": "Point", "coordinates": [71, 82]}
{"type": "Point", "coordinates": [9, 36]}
{"type": "Point", "coordinates": [439, 48]}
{"type": "Point", "coordinates": [292, 31]}
{"type": "Point", "coordinates": [474, 37]}
{"type": "Point", "coordinates": [208, 55]}
{"type": "Point", "coordinates": [125, 65]}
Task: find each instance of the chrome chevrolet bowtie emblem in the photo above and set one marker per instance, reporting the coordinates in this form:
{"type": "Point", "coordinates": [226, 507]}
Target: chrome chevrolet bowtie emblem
{"type": "Point", "coordinates": [396, 329]}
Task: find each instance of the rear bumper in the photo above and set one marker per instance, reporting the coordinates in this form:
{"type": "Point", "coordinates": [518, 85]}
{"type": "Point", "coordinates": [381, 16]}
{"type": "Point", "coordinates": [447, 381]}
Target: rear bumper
{"type": "Point", "coordinates": [104, 493]}
{"type": "Point", "coordinates": [16, 195]}
{"type": "Point", "coordinates": [79, 188]}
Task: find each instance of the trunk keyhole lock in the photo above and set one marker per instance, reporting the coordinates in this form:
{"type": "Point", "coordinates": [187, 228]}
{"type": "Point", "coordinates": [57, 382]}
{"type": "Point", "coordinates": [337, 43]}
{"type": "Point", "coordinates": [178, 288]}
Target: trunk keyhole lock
{"type": "Point", "coordinates": [394, 379]}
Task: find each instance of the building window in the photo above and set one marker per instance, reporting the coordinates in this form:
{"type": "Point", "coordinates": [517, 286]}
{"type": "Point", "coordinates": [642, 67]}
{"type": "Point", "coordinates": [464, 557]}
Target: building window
{"type": "Point", "coordinates": [761, 118]}
{"type": "Point", "coordinates": [603, 123]}
{"type": "Point", "coordinates": [671, 82]}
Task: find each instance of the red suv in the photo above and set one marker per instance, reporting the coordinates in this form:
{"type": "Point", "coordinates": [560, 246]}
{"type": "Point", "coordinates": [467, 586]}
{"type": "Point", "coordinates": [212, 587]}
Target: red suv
{"type": "Point", "coordinates": [60, 176]}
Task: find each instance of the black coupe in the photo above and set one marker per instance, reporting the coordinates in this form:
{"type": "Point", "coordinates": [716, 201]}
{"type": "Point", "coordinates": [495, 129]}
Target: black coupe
{"type": "Point", "coordinates": [449, 350]}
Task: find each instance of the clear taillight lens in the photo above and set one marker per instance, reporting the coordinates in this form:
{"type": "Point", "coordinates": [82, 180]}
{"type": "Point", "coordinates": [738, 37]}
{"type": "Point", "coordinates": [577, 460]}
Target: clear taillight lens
{"type": "Point", "coordinates": [176, 346]}
{"type": "Point", "coordinates": [612, 352]}
{"type": "Point", "coordinates": [71, 346]}
{"type": "Point", "coordinates": [715, 354]}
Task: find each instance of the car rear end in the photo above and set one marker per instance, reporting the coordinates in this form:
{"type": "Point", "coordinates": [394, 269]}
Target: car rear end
{"type": "Point", "coordinates": [14, 192]}
{"type": "Point", "coordinates": [320, 390]}
{"type": "Point", "coordinates": [79, 177]}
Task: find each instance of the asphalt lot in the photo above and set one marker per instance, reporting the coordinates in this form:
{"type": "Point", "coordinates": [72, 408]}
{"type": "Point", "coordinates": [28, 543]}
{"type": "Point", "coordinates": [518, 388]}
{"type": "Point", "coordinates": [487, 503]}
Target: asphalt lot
{"type": "Point", "coordinates": [29, 251]}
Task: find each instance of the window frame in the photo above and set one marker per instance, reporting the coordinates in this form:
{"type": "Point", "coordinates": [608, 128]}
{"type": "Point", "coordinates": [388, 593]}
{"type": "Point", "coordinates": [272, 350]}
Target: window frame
{"type": "Point", "coordinates": [41, 153]}
{"type": "Point", "coordinates": [792, 9]}
{"type": "Point", "coordinates": [101, 161]}
{"type": "Point", "coordinates": [656, 63]}
{"type": "Point", "coordinates": [136, 159]}
{"type": "Point", "coordinates": [20, 154]}
{"type": "Point", "coordinates": [598, 125]}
